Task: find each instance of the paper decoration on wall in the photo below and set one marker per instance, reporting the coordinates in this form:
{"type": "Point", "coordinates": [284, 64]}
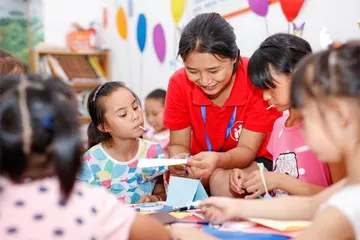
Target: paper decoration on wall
{"type": "Point", "coordinates": [177, 9]}
{"type": "Point", "coordinates": [298, 30]}
{"type": "Point", "coordinates": [105, 18]}
{"type": "Point", "coordinates": [141, 32]}
{"type": "Point", "coordinates": [291, 8]}
{"type": "Point", "coordinates": [325, 38]}
{"type": "Point", "coordinates": [121, 23]}
{"type": "Point", "coordinates": [260, 7]}
{"type": "Point", "coordinates": [159, 42]}
{"type": "Point", "coordinates": [131, 7]}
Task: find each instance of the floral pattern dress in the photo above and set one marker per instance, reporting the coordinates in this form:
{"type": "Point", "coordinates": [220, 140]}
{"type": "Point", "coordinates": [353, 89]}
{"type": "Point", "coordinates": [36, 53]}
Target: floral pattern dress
{"type": "Point", "coordinates": [122, 178]}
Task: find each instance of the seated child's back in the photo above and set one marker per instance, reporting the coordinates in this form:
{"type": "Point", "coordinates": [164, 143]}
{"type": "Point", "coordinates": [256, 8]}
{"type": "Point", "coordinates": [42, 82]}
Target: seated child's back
{"type": "Point", "coordinates": [40, 154]}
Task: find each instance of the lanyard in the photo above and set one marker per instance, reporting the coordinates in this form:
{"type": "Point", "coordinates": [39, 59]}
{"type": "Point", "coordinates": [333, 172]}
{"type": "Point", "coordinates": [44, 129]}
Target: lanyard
{"type": "Point", "coordinates": [228, 129]}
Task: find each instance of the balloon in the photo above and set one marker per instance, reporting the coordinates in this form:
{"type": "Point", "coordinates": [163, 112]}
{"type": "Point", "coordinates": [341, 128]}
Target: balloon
{"type": "Point", "coordinates": [121, 23]}
{"type": "Point", "coordinates": [141, 32]}
{"type": "Point", "coordinates": [177, 9]}
{"type": "Point", "coordinates": [159, 42]}
{"type": "Point", "coordinates": [260, 7]}
{"type": "Point", "coordinates": [291, 8]}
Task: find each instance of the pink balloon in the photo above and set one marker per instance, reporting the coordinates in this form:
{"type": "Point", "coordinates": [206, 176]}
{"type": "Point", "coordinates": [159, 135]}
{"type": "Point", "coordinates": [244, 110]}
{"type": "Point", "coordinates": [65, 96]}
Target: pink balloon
{"type": "Point", "coordinates": [159, 42]}
{"type": "Point", "coordinates": [260, 7]}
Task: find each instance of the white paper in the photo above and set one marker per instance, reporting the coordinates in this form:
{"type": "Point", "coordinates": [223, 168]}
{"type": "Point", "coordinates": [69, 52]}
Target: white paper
{"type": "Point", "coordinates": [150, 162]}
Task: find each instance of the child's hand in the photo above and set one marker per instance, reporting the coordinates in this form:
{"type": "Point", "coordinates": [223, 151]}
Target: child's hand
{"type": "Point", "coordinates": [237, 177]}
{"type": "Point", "coordinates": [221, 209]}
{"type": "Point", "coordinates": [253, 183]}
{"type": "Point", "coordinates": [147, 199]}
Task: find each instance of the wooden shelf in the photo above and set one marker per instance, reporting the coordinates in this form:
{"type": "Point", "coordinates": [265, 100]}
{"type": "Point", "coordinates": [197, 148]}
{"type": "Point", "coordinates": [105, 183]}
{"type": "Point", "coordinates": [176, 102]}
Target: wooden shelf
{"type": "Point", "coordinates": [85, 86]}
{"type": "Point", "coordinates": [103, 57]}
{"type": "Point", "coordinates": [84, 119]}
{"type": "Point", "coordinates": [68, 52]}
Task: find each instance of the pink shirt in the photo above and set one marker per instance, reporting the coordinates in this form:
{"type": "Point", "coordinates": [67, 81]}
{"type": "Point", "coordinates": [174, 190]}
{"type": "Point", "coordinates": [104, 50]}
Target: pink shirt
{"type": "Point", "coordinates": [33, 211]}
{"type": "Point", "coordinates": [162, 138]}
{"type": "Point", "coordinates": [303, 165]}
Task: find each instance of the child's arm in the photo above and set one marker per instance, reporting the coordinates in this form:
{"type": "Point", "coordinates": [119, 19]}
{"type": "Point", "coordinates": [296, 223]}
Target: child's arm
{"type": "Point", "coordinates": [145, 227]}
{"type": "Point", "coordinates": [253, 184]}
{"type": "Point", "coordinates": [337, 171]}
{"type": "Point", "coordinates": [331, 224]}
{"type": "Point", "coordinates": [289, 208]}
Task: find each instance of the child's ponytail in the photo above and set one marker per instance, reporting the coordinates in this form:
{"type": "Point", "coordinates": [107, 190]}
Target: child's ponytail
{"type": "Point", "coordinates": [39, 134]}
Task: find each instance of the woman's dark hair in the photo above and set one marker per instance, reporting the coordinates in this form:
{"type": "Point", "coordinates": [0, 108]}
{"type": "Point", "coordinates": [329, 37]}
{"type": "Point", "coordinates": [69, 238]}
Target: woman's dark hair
{"type": "Point", "coordinates": [97, 111]}
{"type": "Point", "coordinates": [10, 65]}
{"type": "Point", "coordinates": [39, 134]}
{"type": "Point", "coordinates": [334, 72]}
{"type": "Point", "coordinates": [209, 33]}
{"type": "Point", "coordinates": [281, 52]}
{"type": "Point", "coordinates": [159, 94]}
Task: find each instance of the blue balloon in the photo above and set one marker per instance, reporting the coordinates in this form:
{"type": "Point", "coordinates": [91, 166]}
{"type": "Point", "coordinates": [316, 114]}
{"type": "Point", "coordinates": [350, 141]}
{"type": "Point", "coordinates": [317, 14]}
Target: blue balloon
{"type": "Point", "coordinates": [141, 32]}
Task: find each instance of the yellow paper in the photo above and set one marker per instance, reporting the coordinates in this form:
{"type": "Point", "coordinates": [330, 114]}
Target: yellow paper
{"type": "Point", "coordinates": [180, 215]}
{"type": "Point", "coordinates": [283, 226]}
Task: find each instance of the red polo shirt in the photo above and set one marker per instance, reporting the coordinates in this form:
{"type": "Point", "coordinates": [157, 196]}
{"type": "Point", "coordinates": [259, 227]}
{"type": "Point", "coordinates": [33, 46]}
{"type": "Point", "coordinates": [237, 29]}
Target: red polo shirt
{"type": "Point", "coordinates": [183, 108]}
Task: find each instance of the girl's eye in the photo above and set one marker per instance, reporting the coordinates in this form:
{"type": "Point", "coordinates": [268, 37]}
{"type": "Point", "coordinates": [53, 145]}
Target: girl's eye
{"type": "Point", "coordinates": [123, 115]}
{"type": "Point", "coordinates": [213, 72]}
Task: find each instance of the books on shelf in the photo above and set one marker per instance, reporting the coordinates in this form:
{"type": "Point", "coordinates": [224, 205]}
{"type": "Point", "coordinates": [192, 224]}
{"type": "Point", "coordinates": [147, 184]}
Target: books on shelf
{"type": "Point", "coordinates": [95, 63]}
{"type": "Point", "coordinates": [73, 69]}
{"type": "Point", "coordinates": [56, 68]}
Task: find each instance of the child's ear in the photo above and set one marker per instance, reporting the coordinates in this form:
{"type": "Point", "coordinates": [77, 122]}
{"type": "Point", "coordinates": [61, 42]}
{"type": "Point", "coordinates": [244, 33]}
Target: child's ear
{"type": "Point", "coordinates": [343, 111]}
{"type": "Point", "coordinates": [103, 128]}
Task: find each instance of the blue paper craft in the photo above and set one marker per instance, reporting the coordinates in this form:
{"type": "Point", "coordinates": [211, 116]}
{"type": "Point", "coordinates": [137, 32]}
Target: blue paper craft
{"type": "Point", "coordinates": [183, 191]}
{"type": "Point", "coordinates": [241, 235]}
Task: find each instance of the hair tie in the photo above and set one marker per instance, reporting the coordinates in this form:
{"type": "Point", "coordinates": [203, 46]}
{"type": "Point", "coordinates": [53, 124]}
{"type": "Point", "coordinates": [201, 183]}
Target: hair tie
{"type": "Point", "coordinates": [47, 121]}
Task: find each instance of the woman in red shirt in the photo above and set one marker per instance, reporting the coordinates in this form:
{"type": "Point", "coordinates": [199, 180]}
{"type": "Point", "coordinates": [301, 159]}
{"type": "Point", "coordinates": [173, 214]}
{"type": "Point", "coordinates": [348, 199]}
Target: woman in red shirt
{"type": "Point", "coordinates": [213, 111]}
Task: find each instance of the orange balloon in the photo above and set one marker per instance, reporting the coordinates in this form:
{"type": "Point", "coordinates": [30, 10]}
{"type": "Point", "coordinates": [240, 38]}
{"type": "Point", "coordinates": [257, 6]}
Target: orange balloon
{"type": "Point", "coordinates": [121, 23]}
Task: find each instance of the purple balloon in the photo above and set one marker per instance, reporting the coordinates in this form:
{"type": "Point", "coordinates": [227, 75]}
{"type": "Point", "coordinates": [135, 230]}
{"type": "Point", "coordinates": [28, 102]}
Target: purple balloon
{"type": "Point", "coordinates": [260, 7]}
{"type": "Point", "coordinates": [159, 42]}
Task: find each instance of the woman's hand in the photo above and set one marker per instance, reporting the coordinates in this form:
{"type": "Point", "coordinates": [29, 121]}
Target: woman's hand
{"type": "Point", "coordinates": [204, 164]}
{"type": "Point", "coordinates": [237, 177]}
{"type": "Point", "coordinates": [179, 170]}
{"type": "Point", "coordinates": [220, 209]}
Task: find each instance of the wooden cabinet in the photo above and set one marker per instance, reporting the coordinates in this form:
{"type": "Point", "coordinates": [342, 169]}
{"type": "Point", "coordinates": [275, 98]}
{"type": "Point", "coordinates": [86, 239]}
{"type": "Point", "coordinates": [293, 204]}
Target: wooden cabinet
{"type": "Point", "coordinates": [83, 70]}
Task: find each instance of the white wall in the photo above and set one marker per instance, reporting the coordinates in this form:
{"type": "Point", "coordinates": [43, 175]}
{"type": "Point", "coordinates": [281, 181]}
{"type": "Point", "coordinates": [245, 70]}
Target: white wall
{"type": "Point", "coordinates": [340, 17]}
{"type": "Point", "coordinates": [59, 15]}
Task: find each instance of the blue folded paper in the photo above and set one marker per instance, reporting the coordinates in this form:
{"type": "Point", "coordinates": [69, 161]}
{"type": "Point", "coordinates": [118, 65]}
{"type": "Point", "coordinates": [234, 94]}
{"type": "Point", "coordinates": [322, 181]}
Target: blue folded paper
{"type": "Point", "coordinates": [241, 235]}
{"type": "Point", "coordinates": [184, 191]}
